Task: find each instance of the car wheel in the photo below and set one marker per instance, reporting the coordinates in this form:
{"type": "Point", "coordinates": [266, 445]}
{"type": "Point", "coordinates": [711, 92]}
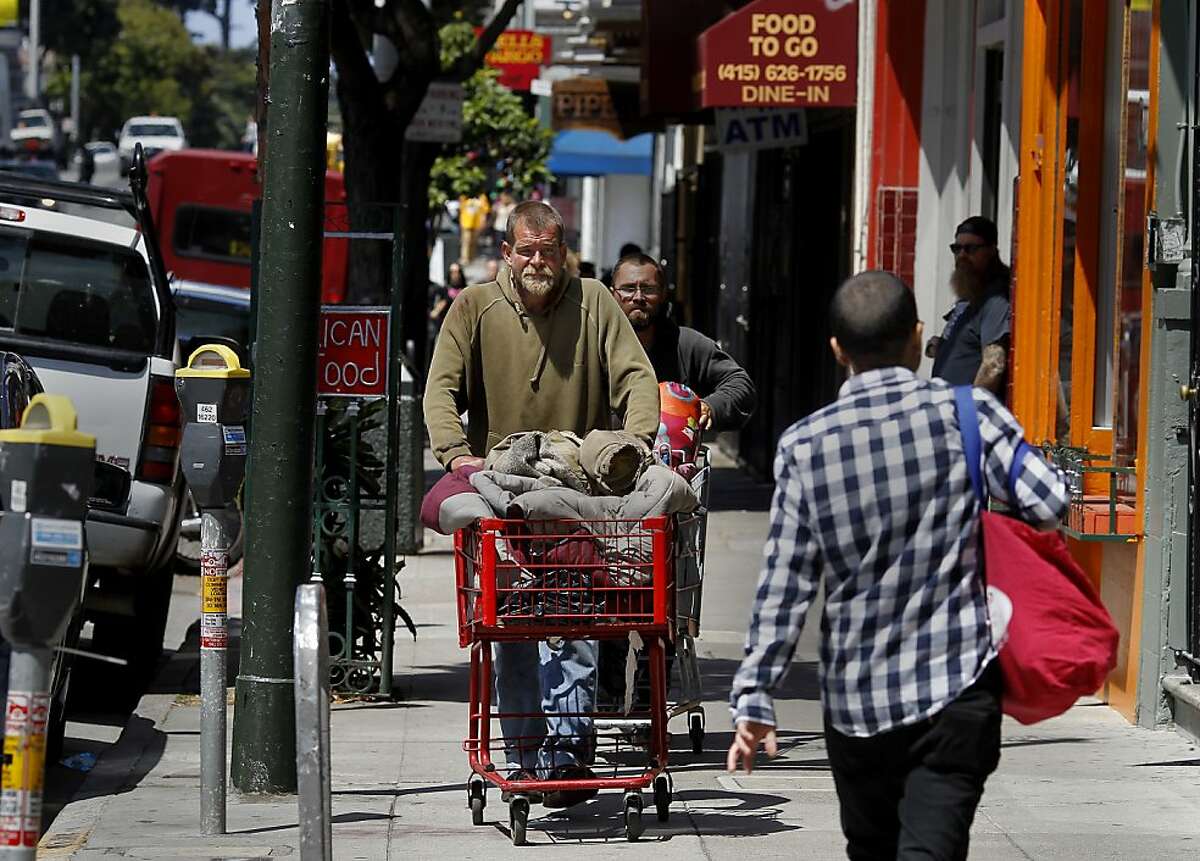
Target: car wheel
{"type": "Point", "coordinates": [187, 550]}
{"type": "Point", "coordinates": [138, 640]}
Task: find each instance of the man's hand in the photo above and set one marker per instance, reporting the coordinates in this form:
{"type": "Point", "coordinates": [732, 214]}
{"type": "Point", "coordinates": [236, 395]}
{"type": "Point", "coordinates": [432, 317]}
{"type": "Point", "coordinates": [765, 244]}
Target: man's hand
{"type": "Point", "coordinates": [746, 739]}
{"type": "Point", "coordinates": [706, 418]}
{"type": "Point", "coordinates": [465, 460]}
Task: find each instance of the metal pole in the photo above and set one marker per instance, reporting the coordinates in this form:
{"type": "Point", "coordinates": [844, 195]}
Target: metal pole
{"type": "Point", "coordinates": [311, 658]}
{"type": "Point", "coordinates": [79, 141]}
{"type": "Point", "coordinates": [27, 715]}
{"type": "Point", "coordinates": [217, 530]}
{"type": "Point", "coordinates": [280, 481]}
{"type": "Point", "coordinates": [33, 84]}
{"type": "Point", "coordinates": [351, 579]}
{"type": "Point", "coordinates": [395, 351]}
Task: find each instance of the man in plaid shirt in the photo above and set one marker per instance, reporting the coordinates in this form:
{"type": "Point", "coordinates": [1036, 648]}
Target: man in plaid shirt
{"type": "Point", "coordinates": [873, 495]}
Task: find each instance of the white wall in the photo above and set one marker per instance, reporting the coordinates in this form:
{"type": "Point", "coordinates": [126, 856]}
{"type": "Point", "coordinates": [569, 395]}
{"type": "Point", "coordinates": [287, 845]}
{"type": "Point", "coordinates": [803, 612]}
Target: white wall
{"type": "Point", "coordinates": [626, 211]}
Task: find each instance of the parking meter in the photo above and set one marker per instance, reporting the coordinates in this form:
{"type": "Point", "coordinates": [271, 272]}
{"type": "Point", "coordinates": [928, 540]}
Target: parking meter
{"type": "Point", "coordinates": [214, 394]}
{"type": "Point", "coordinates": [46, 474]}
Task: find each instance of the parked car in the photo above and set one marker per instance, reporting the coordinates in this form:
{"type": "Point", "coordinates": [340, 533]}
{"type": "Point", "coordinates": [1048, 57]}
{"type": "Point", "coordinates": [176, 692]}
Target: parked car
{"type": "Point", "coordinates": [86, 302]}
{"type": "Point", "coordinates": [35, 132]}
{"type": "Point", "coordinates": [206, 314]}
{"type": "Point", "coordinates": [42, 168]}
{"type": "Point", "coordinates": [155, 134]}
{"type": "Point", "coordinates": [18, 384]}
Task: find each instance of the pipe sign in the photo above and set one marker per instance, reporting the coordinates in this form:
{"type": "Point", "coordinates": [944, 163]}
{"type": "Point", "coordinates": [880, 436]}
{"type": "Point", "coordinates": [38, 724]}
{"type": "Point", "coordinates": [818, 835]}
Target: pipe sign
{"type": "Point", "coordinates": [352, 351]}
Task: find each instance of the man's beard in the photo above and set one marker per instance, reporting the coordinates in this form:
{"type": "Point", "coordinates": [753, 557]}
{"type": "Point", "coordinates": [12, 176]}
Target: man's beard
{"type": "Point", "coordinates": [538, 283]}
{"type": "Point", "coordinates": [966, 282]}
{"type": "Point", "coordinates": [641, 320]}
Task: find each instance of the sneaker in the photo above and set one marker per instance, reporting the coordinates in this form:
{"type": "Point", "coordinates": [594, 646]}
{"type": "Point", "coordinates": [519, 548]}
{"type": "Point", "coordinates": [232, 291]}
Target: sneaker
{"type": "Point", "coordinates": [521, 774]}
{"type": "Point", "coordinates": [570, 797]}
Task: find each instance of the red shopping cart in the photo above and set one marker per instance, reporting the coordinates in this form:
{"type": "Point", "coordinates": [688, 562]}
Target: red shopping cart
{"type": "Point", "coordinates": [578, 580]}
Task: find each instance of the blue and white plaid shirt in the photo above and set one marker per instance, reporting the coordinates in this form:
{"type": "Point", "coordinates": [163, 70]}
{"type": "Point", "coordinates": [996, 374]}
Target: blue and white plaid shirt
{"type": "Point", "coordinates": [872, 494]}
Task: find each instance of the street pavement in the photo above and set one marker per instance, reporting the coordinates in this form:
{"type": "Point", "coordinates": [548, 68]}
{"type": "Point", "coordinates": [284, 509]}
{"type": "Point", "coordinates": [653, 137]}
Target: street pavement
{"type": "Point", "coordinates": [1084, 786]}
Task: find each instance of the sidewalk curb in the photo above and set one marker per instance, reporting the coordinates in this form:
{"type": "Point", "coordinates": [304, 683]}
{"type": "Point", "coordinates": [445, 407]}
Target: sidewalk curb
{"type": "Point", "coordinates": [71, 828]}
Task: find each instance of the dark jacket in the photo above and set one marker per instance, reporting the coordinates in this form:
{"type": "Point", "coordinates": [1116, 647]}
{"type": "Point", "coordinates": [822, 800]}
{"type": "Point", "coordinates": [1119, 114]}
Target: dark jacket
{"type": "Point", "coordinates": [683, 355]}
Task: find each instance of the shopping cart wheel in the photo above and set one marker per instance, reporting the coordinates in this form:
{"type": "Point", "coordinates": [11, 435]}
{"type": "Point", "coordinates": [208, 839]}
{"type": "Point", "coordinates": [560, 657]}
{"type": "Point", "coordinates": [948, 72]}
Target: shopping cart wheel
{"type": "Point", "coordinates": [633, 816]}
{"type": "Point", "coordinates": [696, 731]}
{"type": "Point", "coordinates": [518, 817]}
{"type": "Point", "coordinates": [478, 802]}
{"type": "Point", "coordinates": [662, 797]}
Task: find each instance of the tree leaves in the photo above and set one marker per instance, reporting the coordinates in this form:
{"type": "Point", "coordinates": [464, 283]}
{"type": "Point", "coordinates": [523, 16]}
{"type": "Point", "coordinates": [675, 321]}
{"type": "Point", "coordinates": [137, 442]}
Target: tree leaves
{"type": "Point", "coordinates": [502, 144]}
{"type": "Point", "coordinates": [138, 58]}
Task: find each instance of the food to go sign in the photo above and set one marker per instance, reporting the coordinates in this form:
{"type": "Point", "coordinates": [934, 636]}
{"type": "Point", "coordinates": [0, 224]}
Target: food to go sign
{"type": "Point", "coordinates": [781, 53]}
{"type": "Point", "coordinates": [352, 352]}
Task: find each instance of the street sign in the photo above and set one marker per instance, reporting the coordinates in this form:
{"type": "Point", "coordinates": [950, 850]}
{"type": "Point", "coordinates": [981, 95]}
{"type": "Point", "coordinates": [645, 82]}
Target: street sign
{"type": "Point", "coordinates": [352, 351]}
{"type": "Point", "coordinates": [749, 129]}
{"type": "Point", "coordinates": [439, 118]}
{"type": "Point", "coordinates": [519, 56]}
{"type": "Point", "coordinates": [781, 54]}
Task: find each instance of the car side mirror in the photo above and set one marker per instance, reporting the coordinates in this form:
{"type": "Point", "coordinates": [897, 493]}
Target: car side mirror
{"type": "Point", "coordinates": [110, 489]}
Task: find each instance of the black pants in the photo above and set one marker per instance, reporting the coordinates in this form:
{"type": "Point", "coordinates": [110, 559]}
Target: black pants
{"type": "Point", "coordinates": [912, 792]}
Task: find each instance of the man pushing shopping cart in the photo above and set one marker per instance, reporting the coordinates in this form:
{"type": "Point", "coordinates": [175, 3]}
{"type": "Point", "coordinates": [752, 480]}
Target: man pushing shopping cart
{"type": "Point", "coordinates": [536, 350]}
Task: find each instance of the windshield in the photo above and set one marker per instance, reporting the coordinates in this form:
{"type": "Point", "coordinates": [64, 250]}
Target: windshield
{"type": "Point", "coordinates": [33, 121]}
{"type": "Point", "coordinates": [157, 130]}
{"type": "Point", "coordinates": [69, 289]}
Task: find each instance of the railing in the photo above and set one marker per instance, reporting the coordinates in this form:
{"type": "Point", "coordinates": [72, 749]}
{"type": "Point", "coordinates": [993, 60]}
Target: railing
{"type": "Point", "coordinates": [1104, 516]}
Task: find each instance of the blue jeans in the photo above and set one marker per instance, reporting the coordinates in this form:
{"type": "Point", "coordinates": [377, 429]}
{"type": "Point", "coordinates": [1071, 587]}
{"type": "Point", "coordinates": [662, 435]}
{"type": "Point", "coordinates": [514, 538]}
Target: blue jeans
{"type": "Point", "coordinates": [565, 682]}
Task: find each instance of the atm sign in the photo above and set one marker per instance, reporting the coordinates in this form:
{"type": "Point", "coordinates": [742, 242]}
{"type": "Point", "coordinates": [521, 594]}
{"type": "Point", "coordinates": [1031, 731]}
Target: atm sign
{"type": "Point", "coordinates": [352, 352]}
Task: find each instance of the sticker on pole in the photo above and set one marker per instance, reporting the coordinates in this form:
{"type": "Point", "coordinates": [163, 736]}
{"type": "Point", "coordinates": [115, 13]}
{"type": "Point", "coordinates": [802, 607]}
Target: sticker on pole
{"type": "Point", "coordinates": [26, 717]}
{"type": "Point", "coordinates": [214, 618]}
{"type": "Point", "coordinates": [235, 439]}
{"type": "Point", "coordinates": [206, 414]}
{"type": "Point", "coordinates": [18, 497]}
{"type": "Point", "coordinates": [53, 541]}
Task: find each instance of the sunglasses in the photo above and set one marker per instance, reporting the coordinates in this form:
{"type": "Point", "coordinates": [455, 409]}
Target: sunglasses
{"type": "Point", "coordinates": [957, 248]}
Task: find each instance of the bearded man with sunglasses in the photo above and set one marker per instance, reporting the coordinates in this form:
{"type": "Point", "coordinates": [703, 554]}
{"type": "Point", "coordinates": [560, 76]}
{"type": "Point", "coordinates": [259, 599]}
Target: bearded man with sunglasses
{"type": "Point", "coordinates": [973, 347]}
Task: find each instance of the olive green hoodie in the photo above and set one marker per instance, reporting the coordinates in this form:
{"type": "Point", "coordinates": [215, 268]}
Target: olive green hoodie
{"type": "Point", "coordinates": [569, 369]}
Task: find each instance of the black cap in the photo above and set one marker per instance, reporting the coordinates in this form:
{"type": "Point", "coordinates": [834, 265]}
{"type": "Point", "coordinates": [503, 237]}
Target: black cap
{"type": "Point", "coordinates": [979, 226]}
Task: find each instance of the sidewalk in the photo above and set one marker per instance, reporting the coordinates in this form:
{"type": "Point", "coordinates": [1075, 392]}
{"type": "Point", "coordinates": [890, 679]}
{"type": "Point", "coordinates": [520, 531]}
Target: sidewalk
{"type": "Point", "coordinates": [1086, 785]}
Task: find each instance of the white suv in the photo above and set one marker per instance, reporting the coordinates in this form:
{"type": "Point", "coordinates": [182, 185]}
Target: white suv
{"type": "Point", "coordinates": [83, 300]}
{"type": "Point", "coordinates": [155, 134]}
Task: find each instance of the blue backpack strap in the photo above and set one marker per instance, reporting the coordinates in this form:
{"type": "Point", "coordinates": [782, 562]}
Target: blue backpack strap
{"type": "Point", "coordinates": [968, 426]}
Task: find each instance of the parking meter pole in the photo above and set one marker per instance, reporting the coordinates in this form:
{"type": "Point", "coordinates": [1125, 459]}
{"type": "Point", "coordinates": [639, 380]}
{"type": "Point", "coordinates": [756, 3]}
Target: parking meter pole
{"type": "Point", "coordinates": [214, 400]}
{"type": "Point", "coordinates": [46, 469]}
{"type": "Point", "coordinates": [217, 531]}
{"type": "Point", "coordinates": [27, 714]}
{"type": "Point", "coordinates": [280, 487]}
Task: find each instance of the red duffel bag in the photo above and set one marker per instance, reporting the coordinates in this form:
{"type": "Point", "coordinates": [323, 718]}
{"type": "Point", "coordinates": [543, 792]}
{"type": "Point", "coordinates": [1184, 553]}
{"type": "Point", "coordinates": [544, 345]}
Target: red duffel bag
{"type": "Point", "coordinates": [1060, 642]}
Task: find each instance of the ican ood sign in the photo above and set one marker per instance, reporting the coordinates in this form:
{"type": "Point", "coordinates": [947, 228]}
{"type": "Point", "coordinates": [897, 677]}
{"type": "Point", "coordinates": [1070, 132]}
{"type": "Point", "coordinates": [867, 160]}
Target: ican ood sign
{"type": "Point", "coordinates": [781, 54]}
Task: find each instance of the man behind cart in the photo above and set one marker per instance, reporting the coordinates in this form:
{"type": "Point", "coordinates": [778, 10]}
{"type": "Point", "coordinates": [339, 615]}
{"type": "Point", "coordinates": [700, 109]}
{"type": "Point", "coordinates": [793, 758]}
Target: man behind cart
{"type": "Point", "coordinates": [538, 350]}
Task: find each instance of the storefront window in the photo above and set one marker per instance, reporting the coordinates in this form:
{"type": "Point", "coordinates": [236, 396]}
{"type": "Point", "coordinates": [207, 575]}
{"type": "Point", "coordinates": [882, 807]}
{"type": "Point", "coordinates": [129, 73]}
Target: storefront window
{"type": "Point", "coordinates": [1071, 60]}
{"type": "Point", "coordinates": [1129, 309]}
